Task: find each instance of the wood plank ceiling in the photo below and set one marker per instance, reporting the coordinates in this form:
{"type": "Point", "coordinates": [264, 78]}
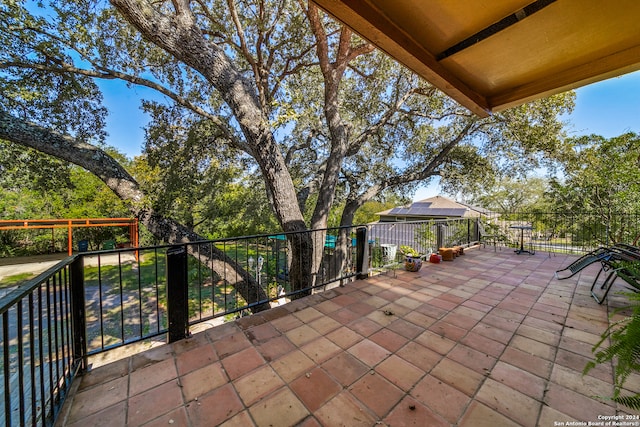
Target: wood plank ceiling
{"type": "Point", "coordinates": [494, 54]}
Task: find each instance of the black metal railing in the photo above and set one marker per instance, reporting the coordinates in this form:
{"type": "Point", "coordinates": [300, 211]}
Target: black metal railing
{"type": "Point", "coordinates": [92, 302]}
{"type": "Point", "coordinates": [564, 232]}
{"type": "Point", "coordinates": [386, 238]}
{"type": "Point", "coordinates": [39, 360]}
{"type": "Point", "coordinates": [132, 294]}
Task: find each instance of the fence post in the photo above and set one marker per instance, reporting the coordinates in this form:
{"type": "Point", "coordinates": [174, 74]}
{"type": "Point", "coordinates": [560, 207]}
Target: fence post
{"type": "Point", "coordinates": [177, 293]}
{"type": "Point", "coordinates": [440, 236]}
{"type": "Point", "coordinates": [78, 312]}
{"type": "Point", "coordinates": [361, 253]}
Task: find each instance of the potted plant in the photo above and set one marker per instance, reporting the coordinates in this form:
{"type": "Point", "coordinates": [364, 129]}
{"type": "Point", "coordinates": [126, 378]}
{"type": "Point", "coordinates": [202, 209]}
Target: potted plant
{"type": "Point", "coordinates": [412, 259]}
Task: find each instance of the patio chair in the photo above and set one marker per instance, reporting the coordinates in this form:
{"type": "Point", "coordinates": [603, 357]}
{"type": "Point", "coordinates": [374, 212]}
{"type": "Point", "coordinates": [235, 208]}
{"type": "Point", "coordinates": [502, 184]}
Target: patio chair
{"type": "Point", "coordinates": [603, 253]}
{"type": "Point", "coordinates": [623, 264]}
{"type": "Point", "coordinates": [491, 236]}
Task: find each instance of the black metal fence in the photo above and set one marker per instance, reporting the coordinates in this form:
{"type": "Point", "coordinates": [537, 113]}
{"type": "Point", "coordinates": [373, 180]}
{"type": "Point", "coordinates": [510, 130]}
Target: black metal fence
{"type": "Point", "coordinates": [563, 232]}
{"type": "Point", "coordinates": [386, 239]}
{"type": "Point", "coordinates": [39, 359]}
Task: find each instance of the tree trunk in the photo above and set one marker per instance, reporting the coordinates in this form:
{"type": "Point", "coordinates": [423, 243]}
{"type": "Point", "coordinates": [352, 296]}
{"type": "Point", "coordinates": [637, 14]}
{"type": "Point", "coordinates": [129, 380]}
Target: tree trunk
{"type": "Point", "coordinates": [181, 36]}
{"type": "Point", "coordinates": [124, 186]}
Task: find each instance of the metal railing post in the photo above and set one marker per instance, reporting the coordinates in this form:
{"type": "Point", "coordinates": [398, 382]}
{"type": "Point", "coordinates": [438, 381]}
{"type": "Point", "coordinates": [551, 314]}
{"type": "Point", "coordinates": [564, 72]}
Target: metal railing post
{"type": "Point", "coordinates": [361, 253]}
{"type": "Point", "coordinates": [440, 236]}
{"type": "Point", "coordinates": [177, 293]}
{"type": "Point", "coordinates": [78, 314]}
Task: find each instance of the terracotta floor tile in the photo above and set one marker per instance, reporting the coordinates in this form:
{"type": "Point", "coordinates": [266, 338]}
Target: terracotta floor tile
{"type": "Point", "coordinates": [378, 394]}
{"type": "Point", "coordinates": [344, 316]}
{"type": "Point", "coordinates": [552, 417]}
{"type": "Point", "coordinates": [389, 339]}
{"type": "Point", "coordinates": [151, 376]}
{"type": "Point", "coordinates": [344, 300]}
{"type": "Point", "coordinates": [364, 326]}
{"type": "Point", "coordinates": [154, 355]}
{"type": "Point", "coordinates": [320, 349]}
{"type": "Point", "coordinates": [113, 416]}
{"type": "Point", "coordinates": [177, 417]}
{"type": "Point", "coordinates": [308, 315]}
{"type": "Point", "coordinates": [286, 323]}
{"type": "Point", "coordinates": [497, 334]}
{"type": "Point", "coordinates": [579, 347]}
{"type": "Point", "coordinates": [345, 368]}
{"type": "Point", "coordinates": [435, 342]}
{"type": "Point", "coordinates": [458, 376]}
{"type": "Point", "coordinates": [406, 329]}
{"type": "Point", "coordinates": [583, 384]}
{"type": "Point", "coordinates": [500, 322]}
{"type": "Point", "coordinates": [376, 301]}
{"type": "Point", "coordinates": [369, 352]}
{"type": "Point", "coordinates": [362, 309]}
{"type": "Point", "coordinates": [345, 410]}
{"type": "Point", "coordinates": [107, 372]}
{"type": "Point", "coordinates": [315, 388]}
{"type": "Point", "coordinates": [545, 337]}
{"type": "Point", "coordinates": [528, 362]}
{"type": "Point", "coordinates": [509, 402]}
{"type": "Point", "coordinates": [257, 385]}
{"type": "Point", "coordinates": [280, 409]}
{"type": "Point", "coordinates": [479, 415]}
{"type": "Point", "coordinates": [419, 356]}
{"type": "Point", "coordinates": [324, 325]}
{"type": "Point", "coordinates": [151, 403]}
{"type": "Point", "coordinates": [275, 347]}
{"type": "Point", "coordinates": [383, 317]}
{"type": "Point", "coordinates": [86, 403]}
{"type": "Point", "coordinates": [194, 341]}
{"type": "Point", "coordinates": [410, 412]}
{"type": "Point", "coordinates": [443, 399]}
{"type": "Point", "coordinates": [533, 347]}
{"type": "Point", "coordinates": [262, 333]}
{"type": "Point", "coordinates": [574, 404]}
{"type": "Point", "coordinates": [344, 337]}
{"type": "Point", "coordinates": [242, 362]}
{"type": "Point", "coordinates": [302, 335]}
{"type": "Point", "coordinates": [577, 362]}
{"type": "Point", "coordinates": [409, 302]}
{"type": "Point", "coordinates": [448, 330]}
{"type": "Point", "coordinates": [243, 419]}
{"type": "Point", "coordinates": [216, 407]}
{"type": "Point", "coordinates": [201, 381]}
{"type": "Point", "coordinates": [461, 320]}
{"type": "Point", "coordinates": [231, 344]}
{"type": "Point", "coordinates": [292, 365]}
{"type": "Point", "coordinates": [195, 359]}
{"type": "Point", "coordinates": [483, 344]}
{"type": "Point", "coordinates": [519, 379]}
{"type": "Point", "coordinates": [400, 372]}
{"type": "Point", "coordinates": [396, 310]}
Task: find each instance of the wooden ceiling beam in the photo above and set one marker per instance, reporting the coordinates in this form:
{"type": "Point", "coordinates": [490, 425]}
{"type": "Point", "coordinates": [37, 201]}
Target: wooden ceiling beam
{"type": "Point", "coordinates": [374, 26]}
{"type": "Point", "coordinates": [494, 29]}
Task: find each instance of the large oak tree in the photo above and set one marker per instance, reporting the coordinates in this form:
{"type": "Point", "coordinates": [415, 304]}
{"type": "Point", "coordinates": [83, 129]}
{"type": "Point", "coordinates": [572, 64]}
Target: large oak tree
{"type": "Point", "coordinates": [324, 116]}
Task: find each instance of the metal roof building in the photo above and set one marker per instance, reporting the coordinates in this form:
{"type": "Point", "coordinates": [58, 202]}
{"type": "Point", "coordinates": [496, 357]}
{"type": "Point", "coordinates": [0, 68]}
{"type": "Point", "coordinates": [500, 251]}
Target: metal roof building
{"type": "Point", "coordinates": [432, 208]}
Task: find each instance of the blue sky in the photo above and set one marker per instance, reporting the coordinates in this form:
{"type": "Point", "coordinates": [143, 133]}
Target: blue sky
{"type": "Point", "coordinates": [608, 108]}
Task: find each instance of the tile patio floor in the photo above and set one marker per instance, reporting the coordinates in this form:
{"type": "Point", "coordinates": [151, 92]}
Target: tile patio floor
{"type": "Point", "coordinates": [490, 339]}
